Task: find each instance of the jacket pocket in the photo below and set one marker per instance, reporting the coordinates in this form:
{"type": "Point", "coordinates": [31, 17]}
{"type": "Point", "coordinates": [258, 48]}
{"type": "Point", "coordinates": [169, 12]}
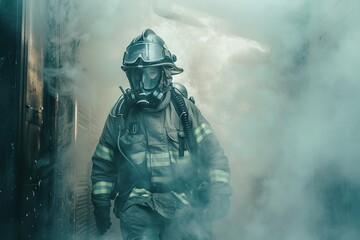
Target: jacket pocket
{"type": "Point", "coordinates": [180, 156]}
{"type": "Point", "coordinates": [175, 138]}
{"type": "Point", "coordinates": [134, 147]}
{"type": "Point", "coordinates": [128, 140]}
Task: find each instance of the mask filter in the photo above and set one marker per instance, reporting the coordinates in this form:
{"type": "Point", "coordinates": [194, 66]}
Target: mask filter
{"type": "Point", "coordinates": [142, 100]}
{"type": "Point", "coordinates": [149, 100]}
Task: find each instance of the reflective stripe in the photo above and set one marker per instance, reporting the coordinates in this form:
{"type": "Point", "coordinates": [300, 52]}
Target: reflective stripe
{"type": "Point", "coordinates": [102, 187]}
{"type": "Point", "coordinates": [218, 175]}
{"type": "Point", "coordinates": [138, 157]}
{"type": "Point", "coordinates": [139, 192]}
{"type": "Point", "coordinates": [180, 160]}
{"type": "Point", "coordinates": [104, 152]}
{"type": "Point", "coordinates": [182, 197]}
{"type": "Point", "coordinates": [161, 179]}
{"type": "Point", "coordinates": [160, 159]}
{"type": "Point", "coordinates": [202, 131]}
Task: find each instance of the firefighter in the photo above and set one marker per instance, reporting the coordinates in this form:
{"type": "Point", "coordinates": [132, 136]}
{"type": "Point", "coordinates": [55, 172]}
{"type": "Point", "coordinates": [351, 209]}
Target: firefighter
{"type": "Point", "coordinates": [158, 155]}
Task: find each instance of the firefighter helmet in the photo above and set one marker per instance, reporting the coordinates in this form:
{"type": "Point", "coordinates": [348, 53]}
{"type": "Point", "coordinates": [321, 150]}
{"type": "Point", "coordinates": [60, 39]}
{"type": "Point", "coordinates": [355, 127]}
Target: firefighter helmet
{"type": "Point", "coordinates": [148, 49]}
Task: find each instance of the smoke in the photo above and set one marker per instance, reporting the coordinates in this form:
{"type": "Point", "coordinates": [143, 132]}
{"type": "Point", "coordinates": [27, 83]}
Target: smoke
{"type": "Point", "coordinates": [278, 82]}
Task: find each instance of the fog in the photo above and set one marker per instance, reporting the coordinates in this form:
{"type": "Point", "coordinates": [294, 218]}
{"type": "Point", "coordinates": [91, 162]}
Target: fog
{"type": "Point", "coordinates": [278, 81]}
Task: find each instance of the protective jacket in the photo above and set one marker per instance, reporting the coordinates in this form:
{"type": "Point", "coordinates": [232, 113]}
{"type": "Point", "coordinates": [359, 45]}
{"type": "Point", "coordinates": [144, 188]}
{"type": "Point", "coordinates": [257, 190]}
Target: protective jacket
{"type": "Point", "coordinates": [145, 153]}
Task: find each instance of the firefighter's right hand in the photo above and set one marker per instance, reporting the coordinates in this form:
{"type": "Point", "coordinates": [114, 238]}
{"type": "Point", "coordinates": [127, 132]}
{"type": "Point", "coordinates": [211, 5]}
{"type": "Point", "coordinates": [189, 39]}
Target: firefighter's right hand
{"type": "Point", "coordinates": [102, 218]}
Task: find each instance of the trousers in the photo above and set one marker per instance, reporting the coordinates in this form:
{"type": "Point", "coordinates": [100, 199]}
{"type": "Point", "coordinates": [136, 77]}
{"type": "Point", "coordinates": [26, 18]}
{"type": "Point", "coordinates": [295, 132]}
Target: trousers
{"type": "Point", "coordinates": [142, 222]}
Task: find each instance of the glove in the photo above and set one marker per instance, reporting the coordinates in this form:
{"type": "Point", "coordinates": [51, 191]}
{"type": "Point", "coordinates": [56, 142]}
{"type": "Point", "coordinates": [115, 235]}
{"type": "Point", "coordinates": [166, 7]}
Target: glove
{"type": "Point", "coordinates": [102, 206]}
{"type": "Point", "coordinates": [218, 207]}
{"type": "Point", "coordinates": [102, 218]}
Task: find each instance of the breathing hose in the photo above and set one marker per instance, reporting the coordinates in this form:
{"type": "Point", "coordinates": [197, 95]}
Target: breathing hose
{"type": "Point", "coordinates": [182, 111]}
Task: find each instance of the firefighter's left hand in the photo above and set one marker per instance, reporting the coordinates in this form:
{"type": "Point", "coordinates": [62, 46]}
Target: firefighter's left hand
{"type": "Point", "coordinates": [218, 207]}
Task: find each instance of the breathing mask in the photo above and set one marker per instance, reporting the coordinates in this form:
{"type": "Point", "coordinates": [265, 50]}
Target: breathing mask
{"type": "Point", "coordinates": [146, 84]}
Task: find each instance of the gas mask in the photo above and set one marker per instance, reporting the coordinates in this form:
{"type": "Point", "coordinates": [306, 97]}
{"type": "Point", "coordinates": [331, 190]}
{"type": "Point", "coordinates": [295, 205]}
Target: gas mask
{"type": "Point", "coordinates": [147, 85]}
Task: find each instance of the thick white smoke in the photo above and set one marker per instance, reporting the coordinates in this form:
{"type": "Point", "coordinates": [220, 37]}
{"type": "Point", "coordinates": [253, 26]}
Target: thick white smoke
{"type": "Point", "coordinates": [278, 81]}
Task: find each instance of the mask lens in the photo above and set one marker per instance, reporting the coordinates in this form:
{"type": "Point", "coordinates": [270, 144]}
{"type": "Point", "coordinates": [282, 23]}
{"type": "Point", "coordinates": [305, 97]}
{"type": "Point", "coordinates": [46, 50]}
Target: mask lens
{"type": "Point", "coordinates": [151, 78]}
{"type": "Point", "coordinates": [146, 78]}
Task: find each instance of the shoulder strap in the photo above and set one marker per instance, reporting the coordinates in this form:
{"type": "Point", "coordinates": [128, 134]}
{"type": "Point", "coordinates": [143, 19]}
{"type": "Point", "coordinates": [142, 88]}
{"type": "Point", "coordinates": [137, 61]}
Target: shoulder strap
{"type": "Point", "coordinates": [182, 111]}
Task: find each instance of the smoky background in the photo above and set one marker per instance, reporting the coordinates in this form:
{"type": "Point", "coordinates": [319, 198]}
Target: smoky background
{"type": "Point", "coordinates": [277, 80]}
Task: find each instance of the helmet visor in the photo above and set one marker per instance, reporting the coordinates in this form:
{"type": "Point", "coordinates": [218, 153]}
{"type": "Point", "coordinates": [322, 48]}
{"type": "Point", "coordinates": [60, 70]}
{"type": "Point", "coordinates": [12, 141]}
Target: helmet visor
{"type": "Point", "coordinates": [148, 52]}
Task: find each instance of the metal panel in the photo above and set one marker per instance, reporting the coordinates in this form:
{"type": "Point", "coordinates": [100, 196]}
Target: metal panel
{"type": "Point", "coordinates": [33, 204]}
{"type": "Point", "coordinates": [85, 135]}
{"type": "Point", "coordinates": [11, 83]}
{"type": "Point", "coordinates": [45, 184]}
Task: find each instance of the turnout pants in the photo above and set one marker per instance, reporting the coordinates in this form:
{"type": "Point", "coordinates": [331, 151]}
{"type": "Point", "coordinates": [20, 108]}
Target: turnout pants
{"type": "Point", "coordinates": [142, 222]}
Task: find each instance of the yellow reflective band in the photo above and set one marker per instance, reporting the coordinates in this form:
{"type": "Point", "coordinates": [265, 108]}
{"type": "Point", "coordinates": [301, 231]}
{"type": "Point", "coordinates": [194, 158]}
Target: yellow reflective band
{"type": "Point", "coordinates": [161, 179]}
{"type": "Point", "coordinates": [102, 191]}
{"type": "Point", "coordinates": [104, 152]}
{"type": "Point", "coordinates": [218, 175]}
{"type": "Point", "coordinates": [138, 157]}
{"type": "Point", "coordinates": [200, 127]}
{"type": "Point", "coordinates": [139, 192]}
{"type": "Point", "coordinates": [102, 187]}
{"type": "Point", "coordinates": [160, 159]}
{"type": "Point", "coordinates": [182, 197]}
{"type": "Point", "coordinates": [203, 127]}
{"type": "Point", "coordinates": [180, 160]}
{"type": "Point", "coordinates": [202, 131]}
{"type": "Point", "coordinates": [103, 184]}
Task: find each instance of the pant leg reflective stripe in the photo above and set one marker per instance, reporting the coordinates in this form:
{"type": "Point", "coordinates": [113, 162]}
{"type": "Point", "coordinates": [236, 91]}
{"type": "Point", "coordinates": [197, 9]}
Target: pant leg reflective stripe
{"type": "Point", "coordinates": [202, 131]}
{"type": "Point", "coordinates": [104, 152]}
{"type": "Point", "coordinates": [102, 187]}
{"type": "Point", "coordinates": [139, 192]}
{"type": "Point", "coordinates": [182, 197]}
{"type": "Point", "coordinates": [218, 175]}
